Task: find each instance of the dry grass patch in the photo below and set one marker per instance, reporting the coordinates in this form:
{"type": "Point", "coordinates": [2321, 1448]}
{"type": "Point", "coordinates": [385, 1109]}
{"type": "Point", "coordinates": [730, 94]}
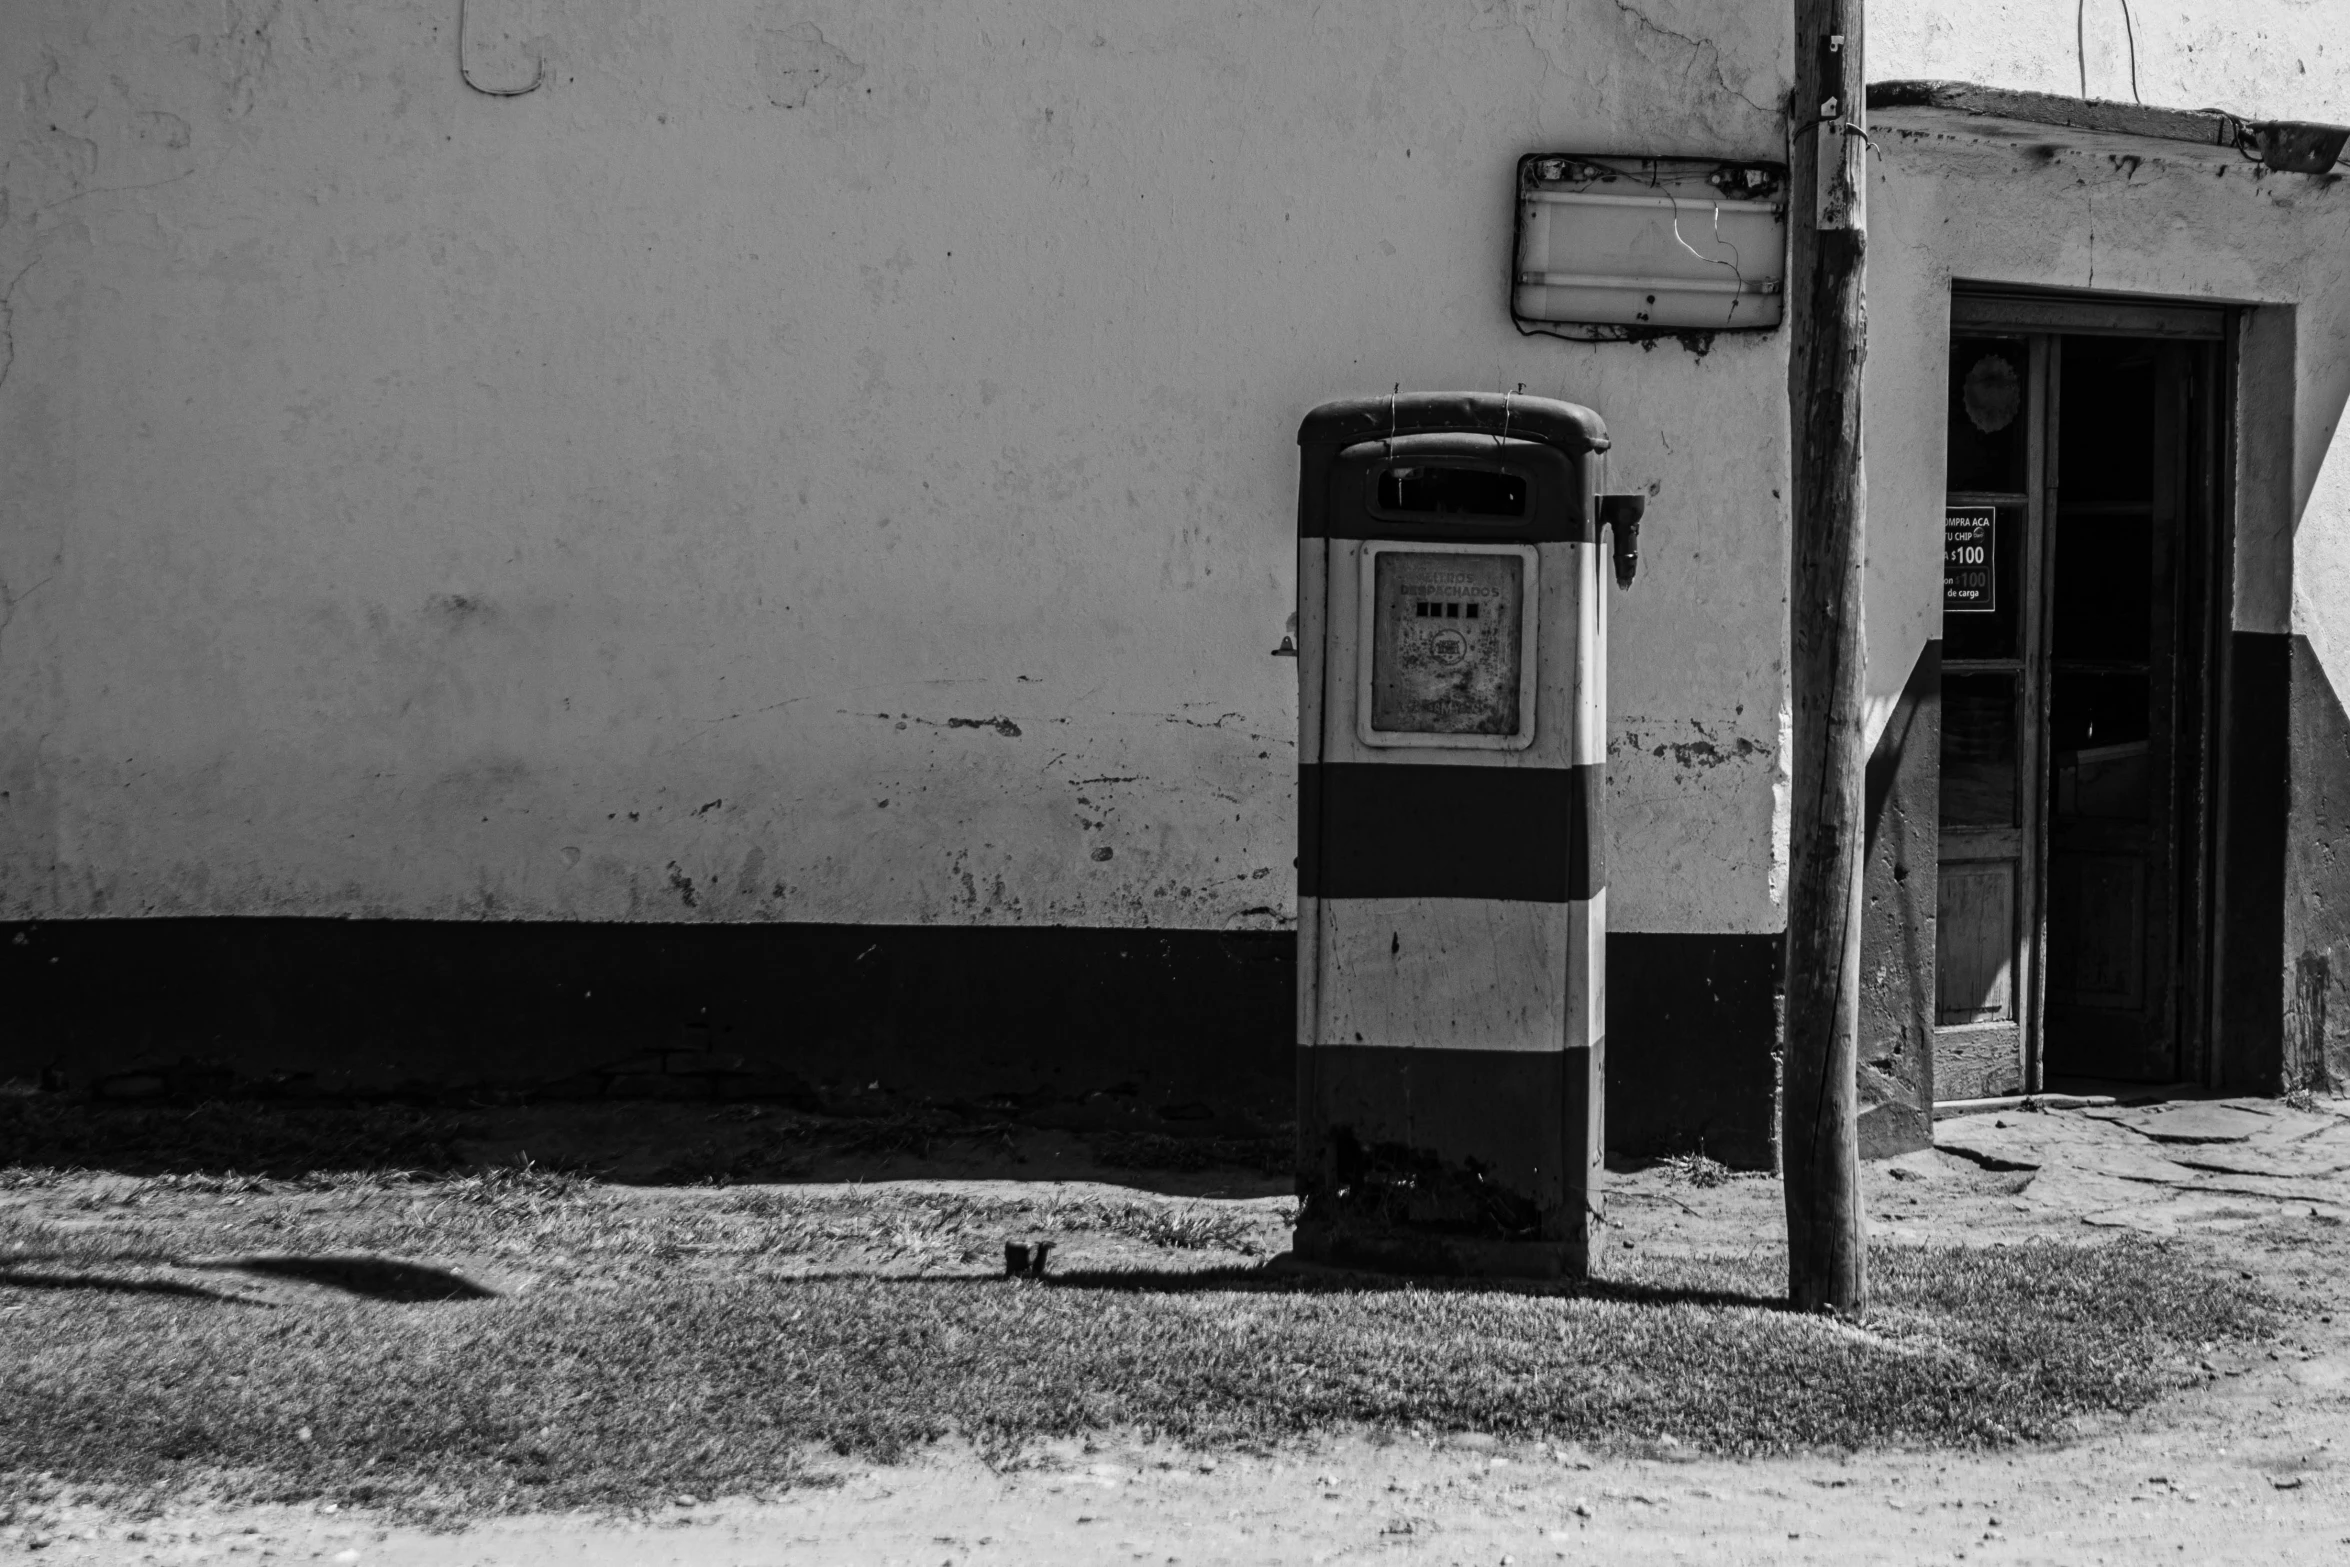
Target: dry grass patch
{"type": "Point", "coordinates": [707, 1342]}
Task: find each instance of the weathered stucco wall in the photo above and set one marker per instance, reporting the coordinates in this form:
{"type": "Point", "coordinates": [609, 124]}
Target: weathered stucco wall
{"type": "Point", "coordinates": [817, 462]}
{"type": "Point", "coordinates": [2267, 59]}
{"type": "Point", "coordinates": [1997, 203]}
{"type": "Point", "coordinates": [2127, 216]}
{"type": "Point", "coordinates": [2263, 59]}
{"type": "Point", "coordinates": [2001, 203]}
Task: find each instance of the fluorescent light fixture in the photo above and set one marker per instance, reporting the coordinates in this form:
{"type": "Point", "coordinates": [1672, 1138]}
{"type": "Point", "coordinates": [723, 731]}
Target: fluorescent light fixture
{"type": "Point", "coordinates": [1614, 248]}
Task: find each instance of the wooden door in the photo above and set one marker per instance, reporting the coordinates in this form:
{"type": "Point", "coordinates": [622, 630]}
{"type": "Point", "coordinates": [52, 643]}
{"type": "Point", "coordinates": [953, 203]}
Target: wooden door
{"type": "Point", "coordinates": [2084, 599]}
{"type": "Point", "coordinates": [2114, 868]}
{"type": "Point", "coordinates": [1987, 915]}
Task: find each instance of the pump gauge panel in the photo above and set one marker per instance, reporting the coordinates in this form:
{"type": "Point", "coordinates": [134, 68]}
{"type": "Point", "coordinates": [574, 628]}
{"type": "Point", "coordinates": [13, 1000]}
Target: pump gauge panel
{"type": "Point", "coordinates": [1449, 660]}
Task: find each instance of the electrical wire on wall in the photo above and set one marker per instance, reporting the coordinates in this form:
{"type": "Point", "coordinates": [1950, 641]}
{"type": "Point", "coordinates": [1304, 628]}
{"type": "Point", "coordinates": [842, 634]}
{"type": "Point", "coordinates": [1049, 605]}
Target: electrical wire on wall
{"type": "Point", "coordinates": [538, 76]}
{"type": "Point", "coordinates": [2081, 45]}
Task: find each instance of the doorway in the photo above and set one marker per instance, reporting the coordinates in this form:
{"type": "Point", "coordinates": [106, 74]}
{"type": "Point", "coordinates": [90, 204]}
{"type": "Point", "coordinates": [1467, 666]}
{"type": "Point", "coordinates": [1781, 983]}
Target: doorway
{"type": "Point", "coordinates": [2080, 561]}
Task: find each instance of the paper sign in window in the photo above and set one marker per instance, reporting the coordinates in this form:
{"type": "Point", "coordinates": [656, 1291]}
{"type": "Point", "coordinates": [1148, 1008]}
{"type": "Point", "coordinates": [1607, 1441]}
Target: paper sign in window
{"type": "Point", "coordinates": [1969, 561]}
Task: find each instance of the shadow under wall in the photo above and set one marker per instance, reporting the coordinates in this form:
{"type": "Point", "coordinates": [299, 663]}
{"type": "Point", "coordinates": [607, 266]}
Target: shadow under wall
{"type": "Point", "coordinates": [2251, 927]}
{"type": "Point", "coordinates": [217, 1007]}
{"type": "Point", "coordinates": [1693, 1046]}
{"type": "Point", "coordinates": [199, 1008]}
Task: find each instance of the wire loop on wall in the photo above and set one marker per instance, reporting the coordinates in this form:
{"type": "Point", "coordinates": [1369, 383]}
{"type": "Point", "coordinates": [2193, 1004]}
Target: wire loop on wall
{"type": "Point", "coordinates": [2081, 45]}
{"type": "Point", "coordinates": [537, 78]}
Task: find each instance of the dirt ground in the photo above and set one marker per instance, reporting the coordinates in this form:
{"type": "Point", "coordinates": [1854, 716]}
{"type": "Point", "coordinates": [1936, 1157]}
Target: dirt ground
{"type": "Point", "coordinates": [2251, 1465]}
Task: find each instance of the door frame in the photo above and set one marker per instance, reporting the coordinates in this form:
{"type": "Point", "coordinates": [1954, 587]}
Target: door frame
{"type": "Point", "coordinates": [2199, 1058]}
{"type": "Point", "coordinates": [2207, 559]}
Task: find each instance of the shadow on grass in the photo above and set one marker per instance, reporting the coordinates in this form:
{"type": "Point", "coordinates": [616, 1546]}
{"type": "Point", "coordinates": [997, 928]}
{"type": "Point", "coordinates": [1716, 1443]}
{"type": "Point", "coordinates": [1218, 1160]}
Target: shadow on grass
{"type": "Point", "coordinates": [376, 1278]}
{"type": "Point", "coordinates": [1260, 1280]}
{"type": "Point", "coordinates": [368, 1277]}
{"type": "Point", "coordinates": [95, 1284]}
{"type": "Point", "coordinates": [1356, 1282]}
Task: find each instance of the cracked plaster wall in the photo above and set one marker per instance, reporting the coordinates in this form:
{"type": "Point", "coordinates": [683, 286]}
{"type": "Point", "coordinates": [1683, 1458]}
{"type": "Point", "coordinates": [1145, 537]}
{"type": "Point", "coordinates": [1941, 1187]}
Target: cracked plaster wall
{"type": "Point", "coordinates": [1953, 199]}
{"type": "Point", "coordinates": [2035, 205]}
{"type": "Point", "coordinates": [817, 461]}
{"type": "Point", "coordinates": [2129, 216]}
{"type": "Point", "coordinates": [2264, 59]}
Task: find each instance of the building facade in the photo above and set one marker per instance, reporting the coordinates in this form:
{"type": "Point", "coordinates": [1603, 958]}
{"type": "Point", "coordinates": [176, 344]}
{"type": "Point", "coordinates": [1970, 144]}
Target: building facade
{"type": "Point", "coordinates": [538, 531]}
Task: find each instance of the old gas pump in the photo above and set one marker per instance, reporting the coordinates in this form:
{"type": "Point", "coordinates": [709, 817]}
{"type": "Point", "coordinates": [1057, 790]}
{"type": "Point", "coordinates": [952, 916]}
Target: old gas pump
{"type": "Point", "coordinates": [1452, 878]}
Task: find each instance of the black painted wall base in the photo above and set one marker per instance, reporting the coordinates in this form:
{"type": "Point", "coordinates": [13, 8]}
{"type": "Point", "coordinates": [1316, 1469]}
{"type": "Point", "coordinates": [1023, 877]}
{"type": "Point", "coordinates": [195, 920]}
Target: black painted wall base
{"type": "Point", "coordinates": [186, 1007]}
{"type": "Point", "coordinates": [2251, 925]}
{"type": "Point", "coordinates": [197, 1006]}
{"type": "Point", "coordinates": [1693, 1046]}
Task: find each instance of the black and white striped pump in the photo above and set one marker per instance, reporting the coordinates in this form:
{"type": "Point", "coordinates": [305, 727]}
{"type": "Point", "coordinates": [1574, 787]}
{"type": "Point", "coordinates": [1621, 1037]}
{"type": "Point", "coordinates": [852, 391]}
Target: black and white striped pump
{"type": "Point", "coordinates": [1452, 872]}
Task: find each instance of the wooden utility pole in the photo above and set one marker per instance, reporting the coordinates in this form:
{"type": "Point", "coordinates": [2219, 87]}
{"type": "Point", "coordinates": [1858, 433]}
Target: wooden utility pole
{"type": "Point", "coordinates": [1827, 1259]}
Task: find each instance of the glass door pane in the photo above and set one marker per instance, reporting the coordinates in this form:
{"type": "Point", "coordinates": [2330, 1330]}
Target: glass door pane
{"type": "Point", "coordinates": [1980, 718]}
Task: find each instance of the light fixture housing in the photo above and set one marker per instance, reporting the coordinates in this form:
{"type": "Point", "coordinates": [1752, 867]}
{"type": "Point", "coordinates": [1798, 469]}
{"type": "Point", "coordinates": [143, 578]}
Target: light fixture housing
{"type": "Point", "coordinates": [1615, 248]}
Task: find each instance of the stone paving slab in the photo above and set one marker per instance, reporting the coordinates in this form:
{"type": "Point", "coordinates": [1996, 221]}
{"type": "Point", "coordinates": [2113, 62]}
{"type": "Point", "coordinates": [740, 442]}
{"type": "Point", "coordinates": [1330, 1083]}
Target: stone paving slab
{"type": "Point", "coordinates": [2197, 1121]}
{"type": "Point", "coordinates": [2290, 1128]}
{"type": "Point", "coordinates": [1994, 1141]}
{"type": "Point", "coordinates": [2204, 1164]}
{"type": "Point", "coordinates": [2230, 1160]}
{"type": "Point", "coordinates": [2065, 1189]}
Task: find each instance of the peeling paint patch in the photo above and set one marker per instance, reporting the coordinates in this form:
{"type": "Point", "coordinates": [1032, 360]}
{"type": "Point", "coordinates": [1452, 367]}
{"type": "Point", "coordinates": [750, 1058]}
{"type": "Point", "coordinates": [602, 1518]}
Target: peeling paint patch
{"type": "Point", "coordinates": [1704, 753]}
{"type": "Point", "coordinates": [159, 127]}
{"type": "Point", "coordinates": [457, 609]}
{"type": "Point", "coordinates": [245, 50]}
{"type": "Point", "coordinates": [796, 62]}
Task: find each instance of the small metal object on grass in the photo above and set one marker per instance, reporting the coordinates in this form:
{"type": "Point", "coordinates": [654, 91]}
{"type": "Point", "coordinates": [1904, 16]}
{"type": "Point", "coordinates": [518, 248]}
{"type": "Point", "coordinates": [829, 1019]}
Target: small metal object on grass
{"type": "Point", "coordinates": [1026, 1262]}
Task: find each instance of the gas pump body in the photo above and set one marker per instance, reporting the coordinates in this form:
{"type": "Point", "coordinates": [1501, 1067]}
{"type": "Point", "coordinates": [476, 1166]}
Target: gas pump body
{"type": "Point", "coordinates": [1452, 887]}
